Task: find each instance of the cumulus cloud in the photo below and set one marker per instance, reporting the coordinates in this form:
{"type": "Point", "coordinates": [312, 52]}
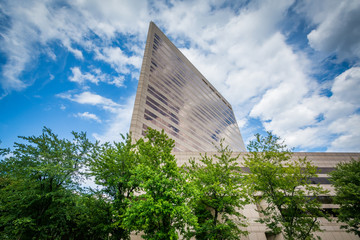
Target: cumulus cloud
{"type": "Point", "coordinates": [89, 116]}
{"type": "Point", "coordinates": [239, 48]}
{"type": "Point", "coordinates": [108, 19]}
{"type": "Point", "coordinates": [33, 23]}
{"type": "Point", "coordinates": [81, 78]}
{"type": "Point", "coordinates": [315, 120]}
{"type": "Point", "coordinates": [347, 85]}
{"type": "Point", "coordinates": [91, 99]}
{"type": "Point", "coordinates": [120, 114]}
{"type": "Point", "coordinates": [95, 77]}
{"type": "Point", "coordinates": [118, 60]}
{"type": "Point", "coordinates": [43, 22]}
{"type": "Point", "coordinates": [337, 28]}
{"type": "Point", "coordinates": [348, 131]}
{"type": "Point", "coordinates": [248, 59]}
{"type": "Point", "coordinates": [118, 124]}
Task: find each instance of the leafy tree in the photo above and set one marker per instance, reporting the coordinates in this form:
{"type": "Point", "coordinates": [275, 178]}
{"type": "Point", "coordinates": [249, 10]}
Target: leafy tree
{"type": "Point", "coordinates": [92, 217]}
{"type": "Point", "coordinates": [160, 208]}
{"type": "Point", "coordinates": [221, 194]}
{"type": "Point", "coordinates": [112, 170]}
{"type": "Point", "coordinates": [284, 185]}
{"type": "Point", "coordinates": [346, 180]}
{"type": "Point", "coordinates": [39, 183]}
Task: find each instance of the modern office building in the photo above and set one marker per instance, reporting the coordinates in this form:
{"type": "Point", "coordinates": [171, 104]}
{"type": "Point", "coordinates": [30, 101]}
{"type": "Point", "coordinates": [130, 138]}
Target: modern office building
{"type": "Point", "coordinates": [173, 95]}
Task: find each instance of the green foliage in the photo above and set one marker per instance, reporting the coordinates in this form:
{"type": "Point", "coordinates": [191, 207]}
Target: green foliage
{"type": "Point", "coordinates": [346, 180]}
{"type": "Point", "coordinates": [144, 190]}
{"type": "Point", "coordinates": [91, 217]}
{"type": "Point", "coordinates": [38, 184]}
{"type": "Point", "coordinates": [113, 168]}
{"type": "Point", "coordinates": [221, 194]}
{"type": "Point", "coordinates": [160, 208]}
{"type": "Point", "coordinates": [284, 185]}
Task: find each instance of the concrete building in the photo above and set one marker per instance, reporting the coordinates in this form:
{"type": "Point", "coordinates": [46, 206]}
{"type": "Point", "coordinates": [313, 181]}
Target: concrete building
{"type": "Point", "coordinates": [173, 95]}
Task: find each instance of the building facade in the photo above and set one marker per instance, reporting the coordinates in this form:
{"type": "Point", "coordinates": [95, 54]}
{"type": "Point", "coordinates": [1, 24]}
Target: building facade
{"type": "Point", "coordinates": [174, 96]}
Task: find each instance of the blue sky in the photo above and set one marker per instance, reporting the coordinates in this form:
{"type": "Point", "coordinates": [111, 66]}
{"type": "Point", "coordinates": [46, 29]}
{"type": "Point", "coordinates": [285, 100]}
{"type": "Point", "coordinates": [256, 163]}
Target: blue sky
{"type": "Point", "coordinates": [291, 67]}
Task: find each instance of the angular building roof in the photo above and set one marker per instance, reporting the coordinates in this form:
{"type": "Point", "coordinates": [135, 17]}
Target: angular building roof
{"type": "Point", "coordinates": [173, 95]}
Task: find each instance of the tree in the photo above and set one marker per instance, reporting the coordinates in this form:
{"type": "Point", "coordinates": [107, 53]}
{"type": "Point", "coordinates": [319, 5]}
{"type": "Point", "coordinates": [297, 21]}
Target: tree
{"type": "Point", "coordinates": [113, 169]}
{"type": "Point", "coordinates": [39, 186]}
{"type": "Point", "coordinates": [92, 217]}
{"type": "Point", "coordinates": [346, 180]}
{"type": "Point", "coordinates": [160, 209]}
{"type": "Point", "coordinates": [221, 194]}
{"type": "Point", "coordinates": [284, 185]}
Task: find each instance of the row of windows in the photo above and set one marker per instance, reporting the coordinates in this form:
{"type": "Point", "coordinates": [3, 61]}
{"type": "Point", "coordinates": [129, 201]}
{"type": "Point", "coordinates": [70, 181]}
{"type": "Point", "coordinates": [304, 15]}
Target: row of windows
{"type": "Point", "coordinates": [203, 120]}
{"type": "Point", "coordinates": [176, 110]}
{"type": "Point", "coordinates": [161, 88]}
{"type": "Point", "coordinates": [225, 119]}
{"type": "Point", "coordinates": [168, 114]}
{"type": "Point", "coordinates": [191, 122]}
{"type": "Point", "coordinates": [175, 132]}
{"type": "Point", "coordinates": [159, 96]}
{"type": "Point", "coordinates": [167, 80]}
{"type": "Point", "coordinates": [197, 114]}
{"type": "Point", "coordinates": [165, 48]}
{"type": "Point", "coordinates": [181, 75]}
{"type": "Point", "coordinates": [219, 109]}
{"type": "Point", "coordinates": [151, 116]}
{"type": "Point", "coordinates": [217, 94]}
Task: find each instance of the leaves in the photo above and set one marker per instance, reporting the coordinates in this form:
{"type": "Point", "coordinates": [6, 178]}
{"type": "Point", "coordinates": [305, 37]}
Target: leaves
{"type": "Point", "coordinates": [160, 208]}
{"type": "Point", "coordinates": [283, 183]}
{"type": "Point", "coordinates": [39, 187]}
{"type": "Point", "coordinates": [221, 193]}
{"type": "Point", "coordinates": [143, 190]}
{"type": "Point", "coordinates": [346, 180]}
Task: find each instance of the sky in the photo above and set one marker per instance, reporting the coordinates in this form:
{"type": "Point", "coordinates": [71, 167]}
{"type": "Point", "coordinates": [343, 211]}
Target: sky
{"type": "Point", "coordinates": [289, 67]}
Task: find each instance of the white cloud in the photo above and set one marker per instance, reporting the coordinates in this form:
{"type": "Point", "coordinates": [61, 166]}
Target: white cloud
{"type": "Point", "coordinates": [118, 124]}
{"type": "Point", "coordinates": [91, 99]}
{"type": "Point", "coordinates": [34, 22]}
{"type": "Point", "coordinates": [313, 120]}
{"type": "Point", "coordinates": [337, 28]}
{"type": "Point", "coordinates": [43, 22]}
{"type": "Point", "coordinates": [89, 116]}
{"type": "Point", "coordinates": [348, 129]}
{"type": "Point", "coordinates": [118, 59]}
{"type": "Point", "coordinates": [241, 51]}
{"type": "Point", "coordinates": [96, 77]}
{"type": "Point", "coordinates": [347, 86]}
{"type": "Point", "coordinates": [117, 81]}
{"type": "Point", "coordinates": [264, 77]}
{"type": "Point", "coordinates": [81, 78]}
{"type": "Point", "coordinates": [107, 19]}
{"type": "Point", "coordinates": [119, 120]}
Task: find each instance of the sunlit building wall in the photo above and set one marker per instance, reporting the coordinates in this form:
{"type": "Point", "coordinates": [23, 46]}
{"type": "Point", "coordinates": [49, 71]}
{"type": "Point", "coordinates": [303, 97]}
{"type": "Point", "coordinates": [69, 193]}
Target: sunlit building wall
{"type": "Point", "coordinates": [173, 95]}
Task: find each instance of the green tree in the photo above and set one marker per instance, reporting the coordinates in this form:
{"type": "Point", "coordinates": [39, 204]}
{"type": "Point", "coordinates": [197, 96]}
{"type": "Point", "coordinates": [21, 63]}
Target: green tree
{"type": "Point", "coordinates": [92, 217]}
{"type": "Point", "coordinates": [284, 185]}
{"type": "Point", "coordinates": [221, 194]}
{"type": "Point", "coordinates": [346, 180]}
{"type": "Point", "coordinates": [160, 209]}
{"type": "Point", "coordinates": [39, 186]}
{"type": "Point", "coordinates": [113, 168]}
